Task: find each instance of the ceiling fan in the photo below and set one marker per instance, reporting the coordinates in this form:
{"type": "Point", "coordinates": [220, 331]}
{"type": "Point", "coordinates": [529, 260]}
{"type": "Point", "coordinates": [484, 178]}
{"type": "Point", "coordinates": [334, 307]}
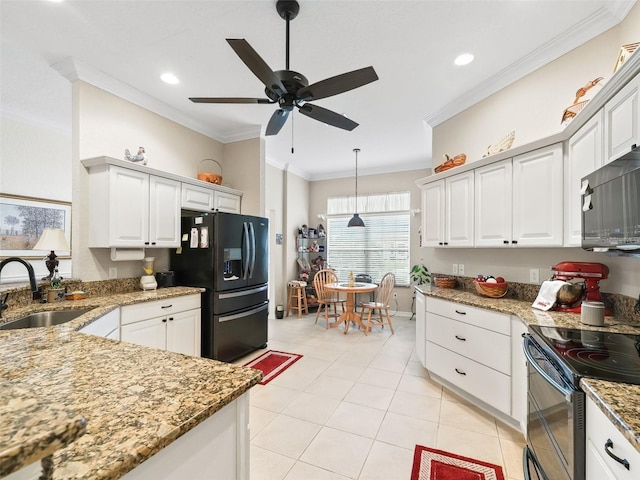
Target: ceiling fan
{"type": "Point", "coordinates": [291, 89]}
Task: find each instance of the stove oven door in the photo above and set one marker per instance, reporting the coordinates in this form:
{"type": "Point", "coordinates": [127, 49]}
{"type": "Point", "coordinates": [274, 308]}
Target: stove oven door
{"type": "Point", "coordinates": [555, 419]}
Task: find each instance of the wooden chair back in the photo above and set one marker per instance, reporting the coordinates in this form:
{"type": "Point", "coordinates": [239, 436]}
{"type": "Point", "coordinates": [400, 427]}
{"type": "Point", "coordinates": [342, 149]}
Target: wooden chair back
{"type": "Point", "coordinates": [320, 279]}
{"type": "Point", "coordinates": [383, 294]}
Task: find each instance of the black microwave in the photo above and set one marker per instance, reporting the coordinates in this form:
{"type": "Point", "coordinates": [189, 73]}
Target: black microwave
{"type": "Point", "coordinates": [611, 206]}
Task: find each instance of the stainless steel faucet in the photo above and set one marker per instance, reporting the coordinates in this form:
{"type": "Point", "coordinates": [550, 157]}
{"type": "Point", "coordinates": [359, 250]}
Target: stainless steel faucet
{"type": "Point", "coordinates": [35, 292]}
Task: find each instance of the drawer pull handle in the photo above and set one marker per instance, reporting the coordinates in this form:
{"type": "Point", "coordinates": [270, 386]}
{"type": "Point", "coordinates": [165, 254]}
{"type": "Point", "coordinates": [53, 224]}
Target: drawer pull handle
{"type": "Point", "coordinates": [623, 461]}
{"type": "Point", "coordinates": [462, 339]}
{"type": "Point", "coordinates": [170, 319]}
{"type": "Point", "coordinates": [164, 320]}
{"type": "Point", "coordinates": [460, 372]}
{"type": "Point", "coordinates": [460, 313]}
{"type": "Point", "coordinates": [167, 306]}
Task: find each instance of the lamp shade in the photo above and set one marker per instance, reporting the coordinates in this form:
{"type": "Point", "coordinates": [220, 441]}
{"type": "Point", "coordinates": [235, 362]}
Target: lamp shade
{"type": "Point", "coordinates": [52, 239]}
{"type": "Point", "coordinates": [355, 221]}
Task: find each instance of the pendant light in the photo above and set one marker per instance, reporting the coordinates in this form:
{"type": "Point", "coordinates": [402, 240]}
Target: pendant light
{"type": "Point", "coordinates": [356, 221]}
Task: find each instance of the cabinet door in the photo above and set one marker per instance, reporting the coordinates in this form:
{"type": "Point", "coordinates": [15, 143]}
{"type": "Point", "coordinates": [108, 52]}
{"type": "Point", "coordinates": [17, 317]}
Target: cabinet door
{"type": "Point", "coordinates": [164, 213]}
{"type": "Point", "coordinates": [197, 198]}
{"type": "Point", "coordinates": [537, 198]}
{"type": "Point", "coordinates": [226, 202]}
{"type": "Point", "coordinates": [183, 332]}
{"type": "Point", "coordinates": [459, 210]}
{"type": "Point", "coordinates": [147, 333]}
{"type": "Point", "coordinates": [129, 207]}
{"type": "Point", "coordinates": [622, 121]}
{"type": "Point", "coordinates": [585, 154]}
{"type": "Point", "coordinates": [433, 214]}
{"type": "Point", "coordinates": [421, 318]}
{"type": "Point", "coordinates": [493, 204]}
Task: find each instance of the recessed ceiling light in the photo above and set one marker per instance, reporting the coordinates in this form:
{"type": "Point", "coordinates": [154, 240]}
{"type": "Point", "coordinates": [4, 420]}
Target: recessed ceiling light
{"type": "Point", "coordinates": [169, 78]}
{"type": "Point", "coordinates": [464, 59]}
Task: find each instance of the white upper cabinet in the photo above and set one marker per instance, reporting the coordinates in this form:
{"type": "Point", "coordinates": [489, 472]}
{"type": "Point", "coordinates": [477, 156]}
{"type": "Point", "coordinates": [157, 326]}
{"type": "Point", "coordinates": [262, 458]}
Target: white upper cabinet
{"type": "Point", "coordinates": [202, 199]}
{"type": "Point", "coordinates": [226, 202]}
{"type": "Point", "coordinates": [518, 202]}
{"type": "Point", "coordinates": [537, 198]}
{"type": "Point", "coordinates": [447, 206]}
{"type": "Point", "coordinates": [493, 204]}
{"type": "Point", "coordinates": [584, 155]}
{"type": "Point", "coordinates": [622, 121]}
{"type": "Point", "coordinates": [433, 214]}
{"type": "Point", "coordinates": [133, 209]}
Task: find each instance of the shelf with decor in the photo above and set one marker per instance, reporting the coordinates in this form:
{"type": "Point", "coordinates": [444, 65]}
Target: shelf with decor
{"type": "Point", "coordinates": [311, 258]}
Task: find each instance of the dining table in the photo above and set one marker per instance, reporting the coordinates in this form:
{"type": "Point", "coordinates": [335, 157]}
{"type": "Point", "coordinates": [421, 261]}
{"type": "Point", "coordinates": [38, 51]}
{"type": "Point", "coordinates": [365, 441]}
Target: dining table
{"type": "Point", "coordinates": [350, 315]}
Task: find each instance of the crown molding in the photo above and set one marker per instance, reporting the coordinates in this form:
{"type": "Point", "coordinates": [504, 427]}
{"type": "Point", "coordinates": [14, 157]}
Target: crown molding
{"type": "Point", "coordinates": [74, 70]}
{"type": "Point", "coordinates": [585, 30]}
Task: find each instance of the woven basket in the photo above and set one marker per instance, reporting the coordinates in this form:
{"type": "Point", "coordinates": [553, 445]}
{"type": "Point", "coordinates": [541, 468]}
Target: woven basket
{"type": "Point", "coordinates": [445, 282]}
{"type": "Point", "coordinates": [493, 290]}
{"type": "Point", "coordinates": [209, 176]}
{"type": "Point", "coordinates": [451, 162]}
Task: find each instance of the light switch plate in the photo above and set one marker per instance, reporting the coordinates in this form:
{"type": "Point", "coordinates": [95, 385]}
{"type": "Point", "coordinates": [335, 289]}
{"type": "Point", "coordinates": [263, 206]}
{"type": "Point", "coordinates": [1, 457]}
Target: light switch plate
{"type": "Point", "coordinates": [454, 270]}
{"type": "Point", "coordinates": [534, 275]}
{"type": "Point", "coordinates": [461, 269]}
{"type": "Point", "coordinates": [113, 272]}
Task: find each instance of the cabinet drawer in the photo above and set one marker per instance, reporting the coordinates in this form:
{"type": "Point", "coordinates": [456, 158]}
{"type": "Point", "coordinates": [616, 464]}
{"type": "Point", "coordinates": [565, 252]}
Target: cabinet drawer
{"type": "Point", "coordinates": [599, 430]}
{"type": "Point", "coordinates": [482, 382]}
{"type": "Point", "coordinates": [498, 322]}
{"type": "Point", "coordinates": [158, 308]}
{"type": "Point", "coordinates": [484, 346]}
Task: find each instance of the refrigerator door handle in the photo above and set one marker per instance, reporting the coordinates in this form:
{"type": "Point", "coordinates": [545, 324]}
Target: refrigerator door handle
{"type": "Point", "coordinates": [246, 251]}
{"type": "Point", "coordinates": [252, 242]}
{"type": "Point", "coordinates": [236, 316]}
{"type": "Point", "coordinates": [242, 293]}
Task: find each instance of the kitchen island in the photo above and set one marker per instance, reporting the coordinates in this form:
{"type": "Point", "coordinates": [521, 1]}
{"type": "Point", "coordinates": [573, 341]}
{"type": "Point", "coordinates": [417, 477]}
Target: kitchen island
{"type": "Point", "coordinates": [134, 401]}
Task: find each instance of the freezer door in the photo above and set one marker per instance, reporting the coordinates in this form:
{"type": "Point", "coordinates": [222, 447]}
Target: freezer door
{"type": "Point", "coordinates": [230, 301]}
{"type": "Point", "coordinates": [231, 336]}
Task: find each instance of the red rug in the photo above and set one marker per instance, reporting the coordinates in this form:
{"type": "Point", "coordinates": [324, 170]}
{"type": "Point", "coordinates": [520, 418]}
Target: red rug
{"type": "Point", "coordinates": [431, 464]}
{"type": "Point", "coordinates": [273, 363]}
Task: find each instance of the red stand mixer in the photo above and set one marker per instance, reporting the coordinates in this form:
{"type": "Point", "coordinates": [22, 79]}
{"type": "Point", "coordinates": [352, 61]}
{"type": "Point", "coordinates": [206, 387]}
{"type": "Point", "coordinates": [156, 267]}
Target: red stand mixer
{"type": "Point", "coordinates": [589, 291]}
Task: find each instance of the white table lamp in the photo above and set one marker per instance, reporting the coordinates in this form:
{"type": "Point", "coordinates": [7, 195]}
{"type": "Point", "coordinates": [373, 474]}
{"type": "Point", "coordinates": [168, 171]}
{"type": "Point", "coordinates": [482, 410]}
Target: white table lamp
{"type": "Point", "coordinates": [52, 239]}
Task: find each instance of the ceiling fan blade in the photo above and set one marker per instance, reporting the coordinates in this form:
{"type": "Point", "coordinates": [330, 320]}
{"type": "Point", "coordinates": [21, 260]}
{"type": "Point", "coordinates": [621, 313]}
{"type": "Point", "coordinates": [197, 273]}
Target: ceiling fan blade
{"type": "Point", "coordinates": [229, 100]}
{"type": "Point", "coordinates": [327, 116]}
{"type": "Point", "coordinates": [276, 122]}
{"type": "Point", "coordinates": [256, 64]}
{"type": "Point", "coordinates": [338, 84]}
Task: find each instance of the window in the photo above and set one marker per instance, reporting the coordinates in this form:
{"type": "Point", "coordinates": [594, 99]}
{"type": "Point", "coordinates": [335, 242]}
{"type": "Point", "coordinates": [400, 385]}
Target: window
{"type": "Point", "coordinates": [381, 247]}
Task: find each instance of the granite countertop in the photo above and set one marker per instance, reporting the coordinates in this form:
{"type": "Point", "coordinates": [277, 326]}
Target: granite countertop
{"type": "Point", "coordinates": [112, 404]}
{"type": "Point", "coordinates": [619, 401]}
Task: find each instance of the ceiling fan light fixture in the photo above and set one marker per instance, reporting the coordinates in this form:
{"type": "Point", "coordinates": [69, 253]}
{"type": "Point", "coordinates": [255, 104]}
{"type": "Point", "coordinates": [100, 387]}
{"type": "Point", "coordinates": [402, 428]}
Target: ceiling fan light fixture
{"type": "Point", "coordinates": [464, 59]}
{"type": "Point", "coordinates": [356, 221]}
{"type": "Point", "coordinates": [169, 78]}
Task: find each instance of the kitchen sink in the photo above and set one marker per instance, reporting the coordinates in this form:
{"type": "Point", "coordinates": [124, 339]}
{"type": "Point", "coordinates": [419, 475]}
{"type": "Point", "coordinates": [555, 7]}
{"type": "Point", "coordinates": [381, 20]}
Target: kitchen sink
{"type": "Point", "coordinates": [44, 319]}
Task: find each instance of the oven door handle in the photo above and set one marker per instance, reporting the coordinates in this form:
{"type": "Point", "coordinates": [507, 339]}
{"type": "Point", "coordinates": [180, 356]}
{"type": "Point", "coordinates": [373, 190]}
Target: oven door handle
{"type": "Point", "coordinates": [563, 389]}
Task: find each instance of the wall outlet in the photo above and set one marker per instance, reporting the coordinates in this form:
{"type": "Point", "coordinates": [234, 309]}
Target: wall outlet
{"type": "Point", "coordinates": [113, 272]}
{"type": "Point", "coordinates": [454, 270]}
{"type": "Point", "coordinates": [395, 294]}
{"type": "Point", "coordinates": [461, 269]}
{"type": "Point", "coordinates": [534, 275]}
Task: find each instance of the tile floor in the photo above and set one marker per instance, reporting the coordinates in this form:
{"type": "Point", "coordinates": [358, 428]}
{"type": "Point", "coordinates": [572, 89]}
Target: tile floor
{"type": "Point", "coordinates": [355, 406]}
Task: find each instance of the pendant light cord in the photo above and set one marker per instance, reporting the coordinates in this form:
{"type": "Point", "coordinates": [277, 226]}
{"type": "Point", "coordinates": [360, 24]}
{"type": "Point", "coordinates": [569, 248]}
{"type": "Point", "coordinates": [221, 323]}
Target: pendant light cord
{"type": "Point", "coordinates": [356, 150]}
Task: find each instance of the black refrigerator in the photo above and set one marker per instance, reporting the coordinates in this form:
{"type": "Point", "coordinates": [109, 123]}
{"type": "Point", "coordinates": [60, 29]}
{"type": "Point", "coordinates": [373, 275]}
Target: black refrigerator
{"type": "Point", "coordinates": [227, 254]}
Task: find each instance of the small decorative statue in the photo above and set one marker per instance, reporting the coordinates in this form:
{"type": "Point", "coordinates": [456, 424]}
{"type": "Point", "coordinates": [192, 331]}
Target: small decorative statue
{"type": "Point", "coordinates": [140, 157]}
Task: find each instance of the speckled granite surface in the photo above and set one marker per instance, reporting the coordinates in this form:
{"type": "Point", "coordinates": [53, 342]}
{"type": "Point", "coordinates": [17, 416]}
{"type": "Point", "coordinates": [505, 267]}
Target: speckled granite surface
{"type": "Point", "coordinates": [620, 402]}
{"type": "Point", "coordinates": [135, 400]}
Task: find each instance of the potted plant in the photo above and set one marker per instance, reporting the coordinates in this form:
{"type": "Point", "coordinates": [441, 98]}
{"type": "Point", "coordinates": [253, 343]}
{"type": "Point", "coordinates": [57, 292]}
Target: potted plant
{"type": "Point", "coordinates": [420, 275]}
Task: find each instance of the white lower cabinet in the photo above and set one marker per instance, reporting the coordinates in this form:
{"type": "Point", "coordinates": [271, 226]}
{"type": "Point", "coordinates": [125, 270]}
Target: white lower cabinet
{"type": "Point", "coordinates": [471, 350]}
{"type": "Point", "coordinates": [603, 437]}
{"type": "Point", "coordinates": [421, 319]}
{"type": "Point", "coordinates": [172, 324]}
{"type": "Point", "coordinates": [217, 448]}
{"type": "Point", "coordinates": [107, 326]}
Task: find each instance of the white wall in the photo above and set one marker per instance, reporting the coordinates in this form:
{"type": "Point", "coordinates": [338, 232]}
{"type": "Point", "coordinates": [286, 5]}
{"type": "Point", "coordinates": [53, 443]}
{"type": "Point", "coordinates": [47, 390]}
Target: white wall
{"type": "Point", "coordinates": [389, 182]}
{"type": "Point", "coordinates": [533, 107]}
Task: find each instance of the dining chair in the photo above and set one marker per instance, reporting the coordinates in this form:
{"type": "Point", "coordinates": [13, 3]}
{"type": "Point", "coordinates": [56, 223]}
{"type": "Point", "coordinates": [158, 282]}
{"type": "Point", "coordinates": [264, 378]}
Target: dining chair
{"type": "Point", "coordinates": [383, 294]}
{"type": "Point", "coordinates": [326, 298]}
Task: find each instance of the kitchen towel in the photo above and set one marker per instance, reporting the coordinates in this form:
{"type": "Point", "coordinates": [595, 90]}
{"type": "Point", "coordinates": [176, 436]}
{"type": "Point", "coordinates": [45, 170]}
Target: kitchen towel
{"type": "Point", "coordinates": [548, 294]}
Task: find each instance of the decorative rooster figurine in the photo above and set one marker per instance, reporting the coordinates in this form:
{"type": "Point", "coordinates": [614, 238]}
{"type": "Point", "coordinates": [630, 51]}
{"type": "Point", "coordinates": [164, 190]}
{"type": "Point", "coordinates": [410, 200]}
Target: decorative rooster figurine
{"type": "Point", "coordinates": [138, 158]}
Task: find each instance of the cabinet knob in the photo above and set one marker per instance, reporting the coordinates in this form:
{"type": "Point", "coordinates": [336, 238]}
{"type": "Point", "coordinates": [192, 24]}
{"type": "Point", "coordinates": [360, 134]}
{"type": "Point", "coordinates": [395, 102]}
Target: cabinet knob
{"type": "Point", "coordinates": [506, 242]}
{"type": "Point", "coordinates": [439, 243]}
{"type": "Point", "coordinates": [146, 243]}
{"type": "Point", "coordinates": [164, 320]}
{"type": "Point", "coordinates": [153, 243]}
{"type": "Point", "coordinates": [170, 319]}
{"type": "Point", "coordinates": [514, 241]}
{"type": "Point", "coordinates": [446, 243]}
